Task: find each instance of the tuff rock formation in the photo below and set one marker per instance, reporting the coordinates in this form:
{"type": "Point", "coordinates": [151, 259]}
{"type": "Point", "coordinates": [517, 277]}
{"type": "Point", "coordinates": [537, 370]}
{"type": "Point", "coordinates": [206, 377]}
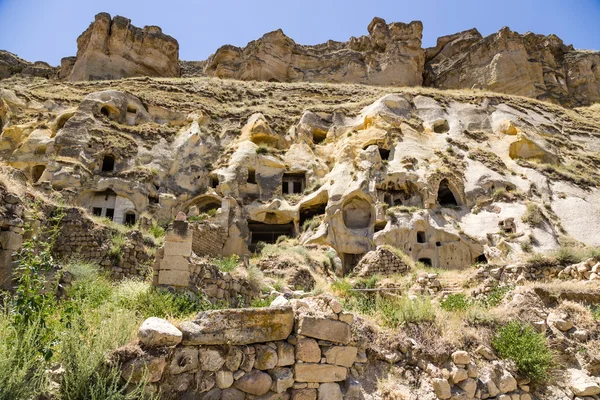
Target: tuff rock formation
{"type": "Point", "coordinates": [114, 49]}
{"type": "Point", "coordinates": [530, 65]}
{"type": "Point", "coordinates": [389, 55]}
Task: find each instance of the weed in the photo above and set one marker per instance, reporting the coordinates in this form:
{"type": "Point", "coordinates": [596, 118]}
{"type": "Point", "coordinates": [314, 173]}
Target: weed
{"type": "Point", "coordinates": [226, 264]}
{"type": "Point", "coordinates": [533, 215]}
{"type": "Point", "coordinates": [455, 302]}
{"type": "Point", "coordinates": [526, 348]}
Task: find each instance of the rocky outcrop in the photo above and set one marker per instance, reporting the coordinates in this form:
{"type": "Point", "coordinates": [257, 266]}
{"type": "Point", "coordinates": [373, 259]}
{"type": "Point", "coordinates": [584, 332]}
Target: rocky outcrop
{"type": "Point", "coordinates": [531, 65]}
{"type": "Point", "coordinates": [11, 64]}
{"type": "Point", "coordinates": [114, 49]}
{"type": "Point", "coordinates": [390, 55]}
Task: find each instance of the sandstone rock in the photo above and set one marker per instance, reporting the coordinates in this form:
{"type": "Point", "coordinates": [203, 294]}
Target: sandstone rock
{"type": "Point", "coordinates": [581, 335]}
{"type": "Point", "coordinates": [330, 391]}
{"type": "Point", "coordinates": [157, 332]}
{"type": "Point", "coordinates": [283, 379]}
{"type": "Point", "coordinates": [324, 329]}
{"type": "Point", "coordinates": [233, 359]}
{"type": "Point", "coordinates": [239, 326]}
{"type": "Point", "coordinates": [304, 394]}
{"type": "Point", "coordinates": [254, 382]}
{"type": "Point", "coordinates": [113, 49]}
{"type": "Point", "coordinates": [210, 359]}
{"type": "Point", "coordinates": [213, 394]}
{"type": "Point", "coordinates": [285, 354]}
{"type": "Point", "coordinates": [458, 375]}
{"type": "Point", "coordinates": [486, 352]}
{"type": "Point", "coordinates": [341, 355]}
{"type": "Point", "coordinates": [308, 372]}
{"type": "Point", "coordinates": [266, 357]}
{"type": "Point", "coordinates": [560, 322]}
{"type": "Point", "coordinates": [461, 357]}
{"type": "Point", "coordinates": [308, 350]}
{"type": "Point", "coordinates": [232, 394]}
{"type": "Point", "coordinates": [469, 385]}
{"type": "Point", "coordinates": [441, 388]}
{"type": "Point", "coordinates": [583, 385]}
{"type": "Point", "coordinates": [224, 379]}
{"type": "Point", "coordinates": [184, 359]}
{"type": "Point", "coordinates": [146, 368]}
{"type": "Point", "coordinates": [506, 382]}
{"type": "Point", "coordinates": [391, 54]}
{"type": "Point", "coordinates": [279, 301]}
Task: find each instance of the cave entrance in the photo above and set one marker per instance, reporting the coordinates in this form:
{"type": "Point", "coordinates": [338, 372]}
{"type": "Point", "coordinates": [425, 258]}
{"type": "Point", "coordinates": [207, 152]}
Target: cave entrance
{"type": "Point", "coordinates": [441, 126]}
{"type": "Point", "coordinates": [350, 261]}
{"type": "Point", "coordinates": [426, 261]}
{"type": "Point", "coordinates": [251, 176]}
{"type": "Point", "coordinates": [130, 218]}
{"type": "Point", "coordinates": [319, 136]}
{"type": "Point", "coordinates": [445, 196]}
{"type": "Point", "coordinates": [36, 172]}
{"type": "Point", "coordinates": [108, 163]}
{"type": "Point", "coordinates": [379, 226]}
{"type": "Point", "coordinates": [104, 111]}
{"type": "Point", "coordinates": [421, 237]}
{"type": "Point", "coordinates": [384, 153]}
{"type": "Point", "coordinates": [309, 212]}
{"type": "Point", "coordinates": [482, 259]}
{"type": "Point", "coordinates": [267, 233]}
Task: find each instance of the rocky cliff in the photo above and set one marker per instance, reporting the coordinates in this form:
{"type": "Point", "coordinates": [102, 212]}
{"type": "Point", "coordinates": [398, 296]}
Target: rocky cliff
{"type": "Point", "coordinates": [114, 49]}
{"type": "Point", "coordinates": [536, 66]}
{"type": "Point", "coordinates": [389, 55]}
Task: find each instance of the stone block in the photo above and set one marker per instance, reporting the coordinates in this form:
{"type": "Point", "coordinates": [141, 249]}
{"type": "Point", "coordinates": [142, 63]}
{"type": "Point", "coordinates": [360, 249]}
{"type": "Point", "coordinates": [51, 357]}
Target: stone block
{"type": "Point", "coordinates": [330, 391]}
{"type": "Point", "coordinates": [324, 329]}
{"type": "Point", "coordinates": [283, 379]}
{"type": "Point", "coordinates": [304, 394]}
{"type": "Point", "coordinates": [239, 326]}
{"type": "Point", "coordinates": [285, 354]}
{"type": "Point", "coordinates": [255, 382]}
{"type": "Point", "coordinates": [183, 249]}
{"type": "Point", "coordinates": [308, 350]}
{"type": "Point", "coordinates": [341, 355]}
{"type": "Point", "coordinates": [173, 278]}
{"type": "Point", "coordinates": [177, 263]}
{"type": "Point", "coordinates": [266, 357]}
{"type": "Point", "coordinates": [158, 332]}
{"type": "Point", "coordinates": [308, 372]}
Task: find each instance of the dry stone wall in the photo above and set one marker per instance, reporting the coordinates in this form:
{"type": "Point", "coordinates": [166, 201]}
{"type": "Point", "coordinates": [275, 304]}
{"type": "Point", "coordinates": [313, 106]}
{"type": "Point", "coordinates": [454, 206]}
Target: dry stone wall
{"type": "Point", "coordinates": [208, 239]}
{"type": "Point", "coordinates": [380, 261]}
{"type": "Point", "coordinates": [12, 227]}
{"type": "Point", "coordinates": [265, 353]}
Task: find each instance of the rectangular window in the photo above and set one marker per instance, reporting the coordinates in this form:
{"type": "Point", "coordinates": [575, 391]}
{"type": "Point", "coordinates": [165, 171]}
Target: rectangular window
{"type": "Point", "coordinates": [97, 211]}
{"type": "Point", "coordinates": [284, 188]}
{"type": "Point", "coordinates": [110, 213]}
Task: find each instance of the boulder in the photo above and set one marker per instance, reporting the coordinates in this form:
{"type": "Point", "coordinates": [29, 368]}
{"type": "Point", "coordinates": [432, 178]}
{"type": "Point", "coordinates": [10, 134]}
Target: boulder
{"type": "Point", "coordinates": [266, 357]}
{"type": "Point", "coordinates": [283, 379]}
{"type": "Point", "coordinates": [308, 350]}
{"type": "Point", "coordinates": [146, 368]}
{"type": "Point", "coordinates": [324, 329]}
{"type": "Point", "coordinates": [112, 48]}
{"type": "Point", "coordinates": [583, 385]}
{"type": "Point", "coordinates": [461, 357]}
{"type": "Point", "coordinates": [158, 332]}
{"type": "Point", "coordinates": [441, 387]}
{"type": "Point", "coordinates": [255, 382]}
{"type": "Point", "coordinates": [239, 326]}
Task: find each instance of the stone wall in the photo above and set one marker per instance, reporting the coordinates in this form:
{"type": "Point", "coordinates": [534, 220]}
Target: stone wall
{"type": "Point", "coordinates": [208, 239]}
{"type": "Point", "coordinates": [177, 266]}
{"type": "Point", "coordinates": [11, 234]}
{"type": "Point", "coordinates": [264, 353]}
{"type": "Point", "coordinates": [83, 239]}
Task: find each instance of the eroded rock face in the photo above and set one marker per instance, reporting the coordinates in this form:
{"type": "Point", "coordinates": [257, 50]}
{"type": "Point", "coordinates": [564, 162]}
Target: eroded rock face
{"type": "Point", "coordinates": [390, 55]}
{"type": "Point", "coordinates": [114, 49]}
{"type": "Point", "coordinates": [531, 65]}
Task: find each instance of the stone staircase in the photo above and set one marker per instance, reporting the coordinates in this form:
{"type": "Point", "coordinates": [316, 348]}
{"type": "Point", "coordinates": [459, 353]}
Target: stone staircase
{"type": "Point", "coordinates": [451, 285]}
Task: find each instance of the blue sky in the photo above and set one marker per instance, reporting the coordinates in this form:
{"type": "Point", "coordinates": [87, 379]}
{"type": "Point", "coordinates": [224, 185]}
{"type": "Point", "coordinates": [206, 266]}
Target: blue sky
{"type": "Point", "coordinates": [47, 30]}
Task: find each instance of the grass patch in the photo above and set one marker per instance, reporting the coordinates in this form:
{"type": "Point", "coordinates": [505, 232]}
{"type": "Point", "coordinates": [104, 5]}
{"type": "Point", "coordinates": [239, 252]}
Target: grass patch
{"type": "Point", "coordinates": [526, 348]}
{"type": "Point", "coordinates": [226, 264]}
{"type": "Point", "coordinates": [495, 296]}
{"type": "Point", "coordinates": [455, 302]}
{"type": "Point", "coordinates": [533, 215]}
{"type": "Point", "coordinates": [117, 245]}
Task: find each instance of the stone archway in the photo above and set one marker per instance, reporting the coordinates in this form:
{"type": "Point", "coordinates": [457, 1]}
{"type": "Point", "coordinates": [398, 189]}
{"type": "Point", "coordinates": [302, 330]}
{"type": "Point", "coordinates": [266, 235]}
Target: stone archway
{"type": "Point", "coordinates": [446, 196]}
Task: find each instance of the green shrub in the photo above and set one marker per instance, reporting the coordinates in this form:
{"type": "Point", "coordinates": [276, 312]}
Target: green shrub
{"type": "Point", "coordinates": [526, 348]}
{"type": "Point", "coordinates": [264, 302]}
{"type": "Point", "coordinates": [455, 302]}
{"type": "Point", "coordinates": [117, 245]}
{"type": "Point", "coordinates": [400, 311]}
{"type": "Point", "coordinates": [495, 296]}
{"type": "Point", "coordinates": [595, 310]}
{"type": "Point", "coordinates": [157, 231]}
{"type": "Point", "coordinates": [227, 264]}
{"type": "Point", "coordinates": [343, 286]}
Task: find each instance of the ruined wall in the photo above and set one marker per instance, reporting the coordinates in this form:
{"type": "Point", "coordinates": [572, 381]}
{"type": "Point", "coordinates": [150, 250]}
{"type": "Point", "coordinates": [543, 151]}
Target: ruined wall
{"type": "Point", "coordinates": [11, 233]}
{"type": "Point", "coordinates": [208, 239]}
{"type": "Point", "coordinates": [266, 353]}
{"type": "Point", "coordinates": [176, 265]}
{"type": "Point", "coordinates": [81, 238]}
